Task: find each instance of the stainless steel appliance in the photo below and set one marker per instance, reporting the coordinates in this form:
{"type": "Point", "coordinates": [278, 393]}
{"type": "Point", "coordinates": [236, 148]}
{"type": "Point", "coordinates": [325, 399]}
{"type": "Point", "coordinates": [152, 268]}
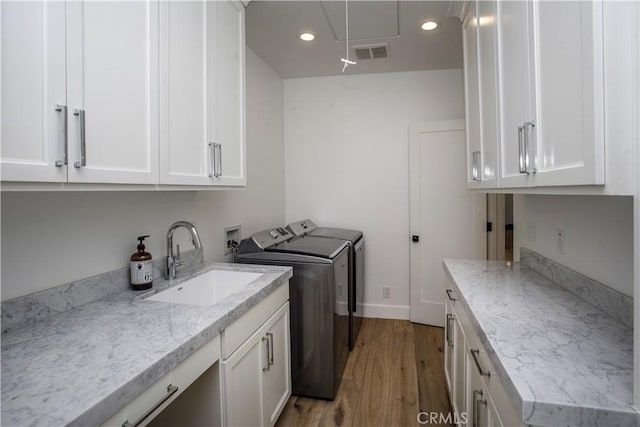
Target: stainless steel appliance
{"type": "Point", "coordinates": [319, 323]}
{"type": "Point", "coordinates": [355, 240]}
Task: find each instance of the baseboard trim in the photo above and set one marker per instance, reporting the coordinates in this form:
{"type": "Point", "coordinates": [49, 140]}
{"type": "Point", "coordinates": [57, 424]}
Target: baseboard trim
{"type": "Point", "coordinates": [383, 311]}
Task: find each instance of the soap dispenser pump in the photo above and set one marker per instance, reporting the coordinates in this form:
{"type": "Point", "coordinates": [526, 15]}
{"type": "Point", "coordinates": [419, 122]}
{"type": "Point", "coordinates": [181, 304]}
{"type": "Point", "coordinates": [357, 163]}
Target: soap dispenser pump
{"type": "Point", "coordinates": [141, 268]}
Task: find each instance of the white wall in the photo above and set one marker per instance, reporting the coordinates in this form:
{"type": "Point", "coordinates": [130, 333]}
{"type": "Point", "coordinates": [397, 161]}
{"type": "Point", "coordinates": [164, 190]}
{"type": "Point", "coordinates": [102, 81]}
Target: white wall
{"type": "Point", "coordinates": [49, 239]}
{"type": "Point", "coordinates": [598, 234]}
{"type": "Point", "coordinates": [346, 162]}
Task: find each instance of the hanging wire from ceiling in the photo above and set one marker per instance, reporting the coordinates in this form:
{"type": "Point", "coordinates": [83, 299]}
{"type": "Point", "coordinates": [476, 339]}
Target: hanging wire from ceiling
{"type": "Point", "coordinates": [346, 60]}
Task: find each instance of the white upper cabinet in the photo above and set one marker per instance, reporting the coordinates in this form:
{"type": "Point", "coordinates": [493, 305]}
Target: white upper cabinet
{"type": "Point", "coordinates": [122, 92]}
{"type": "Point", "coordinates": [570, 101]}
{"type": "Point", "coordinates": [33, 86]}
{"type": "Point", "coordinates": [229, 95]}
{"type": "Point", "coordinates": [112, 78]}
{"type": "Point", "coordinates": [472, 93]}
{"type": "Point", "coordinates": [202, 93]}
{"type": "Point", "coordinates": [551, 87]}
{"type": "Point", "coordinates": [480, 63]}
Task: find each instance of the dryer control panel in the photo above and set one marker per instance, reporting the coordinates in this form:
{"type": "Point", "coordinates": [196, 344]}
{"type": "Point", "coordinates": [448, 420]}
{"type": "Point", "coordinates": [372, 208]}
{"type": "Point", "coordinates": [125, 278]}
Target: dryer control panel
{"type": "Point", "coordinates": [301, 227]}
{"type": "Point", "coordinates": [268, 238]}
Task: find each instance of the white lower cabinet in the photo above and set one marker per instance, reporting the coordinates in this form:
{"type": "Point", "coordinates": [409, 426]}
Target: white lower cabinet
{"type": "Point", "coordinates": [478, 398]}
{"type": "Point", "coordinates": [256, 365]}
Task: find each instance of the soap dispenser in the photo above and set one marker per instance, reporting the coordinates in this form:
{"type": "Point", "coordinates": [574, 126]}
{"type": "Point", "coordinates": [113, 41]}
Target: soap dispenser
{"type": "Point", "coordinates": [141, 268]}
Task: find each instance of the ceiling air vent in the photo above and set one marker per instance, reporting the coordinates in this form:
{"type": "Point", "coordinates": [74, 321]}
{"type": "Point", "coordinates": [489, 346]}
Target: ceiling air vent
{"type": "Point", "coordinates": [371, 51]}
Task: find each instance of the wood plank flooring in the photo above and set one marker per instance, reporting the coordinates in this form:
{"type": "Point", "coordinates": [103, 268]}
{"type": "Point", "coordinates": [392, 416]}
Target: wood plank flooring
{"type": "Point", "coordinates": [391, 361]}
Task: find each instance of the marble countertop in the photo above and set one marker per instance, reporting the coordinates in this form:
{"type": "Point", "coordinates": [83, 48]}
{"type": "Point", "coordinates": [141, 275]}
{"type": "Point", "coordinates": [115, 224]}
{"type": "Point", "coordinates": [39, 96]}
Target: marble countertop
{"type": "Point", "coordinates": [81, 366]}
{"type": "Point", "coordinates": [561, 360]}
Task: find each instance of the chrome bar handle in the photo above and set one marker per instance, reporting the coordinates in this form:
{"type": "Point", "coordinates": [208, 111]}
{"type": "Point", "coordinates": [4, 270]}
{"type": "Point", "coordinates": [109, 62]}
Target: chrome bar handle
{"type": "Point", "coordinates": [473, 166]}
{"type": "Point", "coordinates": [83, 141]}
{"type": "Point", "coordinates": [171, 390]}
{"type": "Point", "coordinates": [217, 160]}
{"type": "Point", "coordinates": [521, 161]}
{"type": "Point", "coordinates": [476, 166]}
{"type": "Point", "coordinates": [476, 395]}
{"type": "Point", "coordinates": [474, 354]}
{"type": "Point", "coordinates": [268, 367]}
{"type": "Point", "coordinates": [527, 148]}
{"type": "Point", "coordinates": [449, 294]}
{"type": "Point", "coordinates": [270, 336]}
{"type": "Point", "coordinates": [211, 159]}
{"type": "Point", "coordinates": [448, 330]}
{"type": "Point", "coordinates": [64, 110]}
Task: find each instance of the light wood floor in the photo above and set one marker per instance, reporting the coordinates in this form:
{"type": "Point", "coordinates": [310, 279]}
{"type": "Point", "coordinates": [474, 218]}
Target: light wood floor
{"type": "Point", "coordinates": [393, 361]}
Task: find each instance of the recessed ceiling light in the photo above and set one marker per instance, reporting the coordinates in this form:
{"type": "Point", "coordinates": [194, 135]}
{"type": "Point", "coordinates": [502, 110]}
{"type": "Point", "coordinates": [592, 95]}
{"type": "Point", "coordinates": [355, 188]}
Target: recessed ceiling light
{"type": "Point", "coordinates": [429, 25]}
{"type": "Point", "coordinates": [307, 36]}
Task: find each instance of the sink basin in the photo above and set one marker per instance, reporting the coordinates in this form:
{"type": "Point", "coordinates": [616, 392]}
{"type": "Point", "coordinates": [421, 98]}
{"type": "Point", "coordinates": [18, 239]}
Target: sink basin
{"type": "Point", "coordinates": [206, 289]}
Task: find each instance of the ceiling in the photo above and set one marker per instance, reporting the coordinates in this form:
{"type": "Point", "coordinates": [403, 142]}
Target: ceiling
{"type": "Point", "coordinates": [273, 29]}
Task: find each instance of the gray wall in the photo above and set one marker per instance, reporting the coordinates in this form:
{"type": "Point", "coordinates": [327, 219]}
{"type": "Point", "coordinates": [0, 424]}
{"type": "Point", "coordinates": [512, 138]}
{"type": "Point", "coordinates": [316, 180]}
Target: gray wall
{"type": "Point", "coordinates": [52, 238]}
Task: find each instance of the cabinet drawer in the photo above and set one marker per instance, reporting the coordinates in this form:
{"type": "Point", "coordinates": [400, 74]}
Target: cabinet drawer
{"type": "Point", "coordinates": [181, 377]}
{"type": "Point", "coordinates": [238, 332]}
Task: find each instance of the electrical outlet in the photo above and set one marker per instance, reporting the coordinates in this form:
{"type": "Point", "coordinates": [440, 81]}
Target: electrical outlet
{"type": "Point", "coordinates": [560, 237]}
{"type": "Point", "coordinates": [386, 292]}
{"type": "Point", "coordinates": [531, 232]}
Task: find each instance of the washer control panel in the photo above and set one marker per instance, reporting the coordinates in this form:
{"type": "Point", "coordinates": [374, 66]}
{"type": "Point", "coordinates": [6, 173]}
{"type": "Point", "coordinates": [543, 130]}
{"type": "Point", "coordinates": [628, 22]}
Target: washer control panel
{"type": "Point", "coordinates": [268, 238]}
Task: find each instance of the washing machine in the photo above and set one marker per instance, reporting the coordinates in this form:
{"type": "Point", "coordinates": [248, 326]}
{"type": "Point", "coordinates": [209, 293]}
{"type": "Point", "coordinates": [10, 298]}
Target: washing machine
{"type": "Point", "coordinates": [319, 321]}
{"type": "Point", "coordinates": [355, 240]}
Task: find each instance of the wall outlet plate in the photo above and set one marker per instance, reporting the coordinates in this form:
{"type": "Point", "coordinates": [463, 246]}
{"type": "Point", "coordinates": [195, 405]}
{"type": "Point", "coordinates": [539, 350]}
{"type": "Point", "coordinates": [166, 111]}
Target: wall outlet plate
{"type": "Point", "coordinates": [231, 234]}
{"type": "Point", "coordinates": [386, 292]}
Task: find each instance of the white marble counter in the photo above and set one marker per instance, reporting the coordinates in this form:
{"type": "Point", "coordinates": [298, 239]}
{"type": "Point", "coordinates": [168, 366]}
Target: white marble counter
{"type": "Point", "coordinates": [81, 366]}
{"type": "Point", "coordinates": [561, 360]}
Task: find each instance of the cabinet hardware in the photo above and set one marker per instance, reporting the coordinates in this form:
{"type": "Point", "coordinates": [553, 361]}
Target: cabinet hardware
{"type": "Point", "coordinates": [217, 160]}
{"type": "Point", "coordinates": [270, 336]}
{"type": "Point", "coordinates": [475, 354]}
{"type": "Point", "coordinates": [63, 109]}
{"type": "Point", "coordinates": [521, 161]}
{"type": "Point", "coordinates": [448, 330]}
{"type": "Point", "coordinates": [449, 294]}
{"type": "Point", "coordinates": [528, 156]}
{"type": "Point", "coordinates": [268, 367]}
{"type": "Point", "coordinates": [83, 142]}
{"type": "Point", "coordinates": [211, 167]}
{"type": "Point", "coordinates": [171, 390]}
{"type": "Point", "coordinates": [475, 171]}
{"type": "Point", "coordinates": [476, 395]}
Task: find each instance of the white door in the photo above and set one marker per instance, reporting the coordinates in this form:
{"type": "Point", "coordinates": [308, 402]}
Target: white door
{"type": "Point", "coordinates": [276, 380]}
{"type": "Point", "coordinates": [569, 81]}
{"type": "Point", "coordinates": [112, 78]}
{"type": "Point", "coordinates": [448, 346]}
{"type": "Point", "coordinates": [460, 349]}
{"type": "Point", "coordinates": [187, 45]}
{"type": "Point", "coordinates": [517, 92]}
{"type": "Point", "coordinates": [446, 217]}
{"type": "Point", "coordinates": [33, 91]}
{"type": "Point", "coordinates": [228, 100]}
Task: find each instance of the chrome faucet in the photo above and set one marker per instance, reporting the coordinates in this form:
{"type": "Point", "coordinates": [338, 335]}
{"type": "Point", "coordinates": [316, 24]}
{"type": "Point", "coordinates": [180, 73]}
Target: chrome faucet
{"type": "Point", "coordinates": [176, 261]}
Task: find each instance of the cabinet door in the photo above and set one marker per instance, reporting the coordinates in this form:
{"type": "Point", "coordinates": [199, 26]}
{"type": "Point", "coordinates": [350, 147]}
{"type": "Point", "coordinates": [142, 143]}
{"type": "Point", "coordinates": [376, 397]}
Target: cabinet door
{"type": "Point", "coordinates": [187, 46]}
{"type": "Point", "coordinates": [476, 395]}
{"type": "Point", "coordinates": [517, 94]}
{"type": "Point", "coordinates": [242, 379]}
{"type": "Point", "coordinates": [488, 89]}
{"type": "Point", "coordinates": [569, 81]}
{"type": "Point", "coordinates": [33, 83]}
{"type": "Point", "coordinates": [112, 79]}
{"type": "Point", "coordinates": [472, 95]}
{"type": "Point", "coordinates": [276, 381]}
{"type": "Point", "coordinates": [228, 100]}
